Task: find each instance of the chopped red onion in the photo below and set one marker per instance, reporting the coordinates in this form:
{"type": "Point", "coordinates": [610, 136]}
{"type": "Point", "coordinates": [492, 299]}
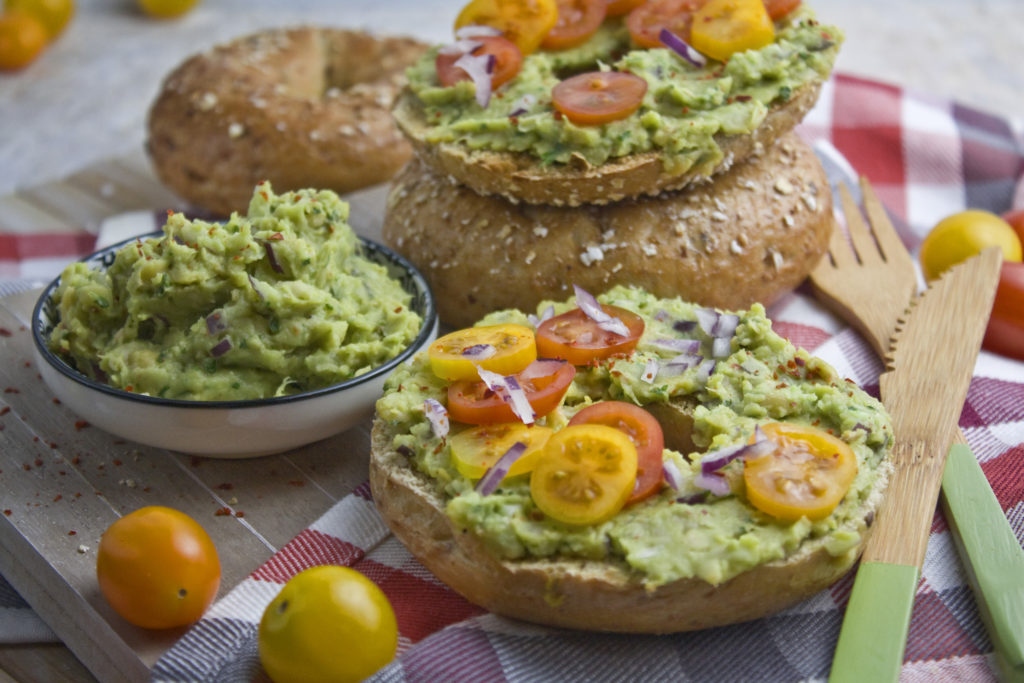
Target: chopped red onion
{"type": "Point", "coordinates": [508, 389]}
{"type": "Point", "coordinates": [716, 460]}
{"type": "Point", "coordinates": [476, 31]}
{"type": "Point", "coordinates": [707, 318]}
{"type": "Point", "coordinates": [220, 349]}
{"type": "Point", "coordinates": [438, 417]}
{"type": "Point", "coordinates": [547, 314]}
{"type": "Point", "coordinates": [670, 472]}
{"type": "Point", "coordinates": [588, 304]}
{"type": "Point", "coordinates": [694, 499]}
{"type": "Point", "coordinates": [726, 325]}
{"type": "Point", "coordinates": [705, 370]}
{"type": "Point", "coordinates": [684, 326]}
{"type": "Point", "coordinates": [460, 47]}
{"type": "Point", "coordinates": [687, 360]}
{"type": "Point", "coordinates": [479, 351]}
{"type": "Point", "coordinates": [252, 283]}
{"type": "Point", "coordinates": [479, 68]}
{"type": "Point", "coordinates": [523, 104]}
{"type": "Point", "coordinates": [661, 316]}
{"type": "Point", "coordinates": [721, 347]}
{"type": "Point", "coordinates": [716, 483]}
{"type": "Point", "coordinates": [682, 48]}
{"type": "Point", "coordinates": [272, 257]}
{"type": "Point", "coordinates": [215, 323]}
{"type": "Point", "coordinates": [650, 372]}
{"type": "Point", "coordinates": [499, 470]}
{"type": "Point", "coordinates": [679, 345]}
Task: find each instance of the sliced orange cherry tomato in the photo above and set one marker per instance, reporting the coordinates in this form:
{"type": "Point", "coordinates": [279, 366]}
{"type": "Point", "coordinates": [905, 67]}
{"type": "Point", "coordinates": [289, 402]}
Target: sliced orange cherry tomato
{"type": "Point", "coordinates": [473, 403]}
{"type": "Point", "coordinates": [22, 38]}
{"type": "Point", "coordinates": [575, 337]}
{"type": "Point", "coordinates": [475, 450]}
{"type": "Point", "coordinates": [506, 349]}
{"type": "Point", "coordinates": [805, 476]}
{"type": "Point", "coordinates": [524, 22]}
{"type": "Point", "coordinates": [577, 21]}
{"type": "Point", "coordinates": [646, 21]}
{"type": "Point", "coordinates": [722, 28]}
{"type": "Point", "coordinates": [586, 474]}
{"type": "Point", "coordinates": [645, 433]}
{"type": "Point", "coordinates": [599, 96]}
{"type": "Point", "coordinates": [617, 8]}
{"type": "Point", "coordinates": [158, 568]}
{"type": "Point", "coordinates": [508, 60]}
{"type": "Point", "coordinates": [780, 8]}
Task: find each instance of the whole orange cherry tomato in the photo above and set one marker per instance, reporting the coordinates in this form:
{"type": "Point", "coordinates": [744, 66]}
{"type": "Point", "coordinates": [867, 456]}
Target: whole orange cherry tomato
{"type": "Point", "coordinates": [22, 39]}
{"type": "Point", "coordinates": [158, 568]}
{"type": "Point", "coordinates": [577, 21]}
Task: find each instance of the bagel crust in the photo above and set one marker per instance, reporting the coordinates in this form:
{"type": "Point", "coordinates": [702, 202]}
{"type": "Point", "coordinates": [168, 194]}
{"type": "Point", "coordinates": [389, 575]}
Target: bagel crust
{"type": "Point", "coordinates": [519, 177]}
{"type": "Point", "coordinates": [582, 594]}
{"type": "Point", "coordinates": [752, 234]}
{"type": "Point", "coordinates": [300, 107]}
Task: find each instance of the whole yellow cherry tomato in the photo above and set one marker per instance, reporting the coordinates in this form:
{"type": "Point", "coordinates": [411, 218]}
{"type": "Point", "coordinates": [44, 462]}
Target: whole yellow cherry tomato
{"type": "Point", "coordinates": [505, 349]}
{"type": "Point", "coordinates": [166, 9]}
{"type": "Point", "coordinates": [53, 14]}
{"type": "Point", "coordinates": [722, 28]}
{"type": "Point", "coordinates": [585, 475]}
{"type": "Point", "coordinates": [22, 39]}
{"type": "Point", "coordinates": [476, 449]}
{"type": "Point", "coordinates": [524, 22]}
{"type": "Point", "coordinates": [958, 237]}
{"type": "Point", "coordinates": [327, 624]}
{"type": "Point", "coordinates": [158, 568]}
{"type": "Point", "coordinates": [806, 475]}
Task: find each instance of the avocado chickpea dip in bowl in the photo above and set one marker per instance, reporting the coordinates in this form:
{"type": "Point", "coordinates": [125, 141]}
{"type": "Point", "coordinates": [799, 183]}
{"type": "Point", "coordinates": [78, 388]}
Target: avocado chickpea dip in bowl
{"type": "Point", "coordinates": [243, 338]}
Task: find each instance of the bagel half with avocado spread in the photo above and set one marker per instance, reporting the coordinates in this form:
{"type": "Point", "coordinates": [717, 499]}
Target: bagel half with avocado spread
{"type": "Point", "coordinates": [630, 109]}
{"type": "Point", "coordinates": [544, 490]}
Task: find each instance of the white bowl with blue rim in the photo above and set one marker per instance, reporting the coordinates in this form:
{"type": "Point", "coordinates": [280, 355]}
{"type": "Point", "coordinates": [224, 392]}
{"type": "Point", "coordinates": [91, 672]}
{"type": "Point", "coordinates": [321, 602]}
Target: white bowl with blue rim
{"type": "Point", "coordinates": [229, 429]}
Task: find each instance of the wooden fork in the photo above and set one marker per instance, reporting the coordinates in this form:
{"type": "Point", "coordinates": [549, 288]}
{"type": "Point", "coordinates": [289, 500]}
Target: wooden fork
{"type": "Point", "coordinates": [870, 286]}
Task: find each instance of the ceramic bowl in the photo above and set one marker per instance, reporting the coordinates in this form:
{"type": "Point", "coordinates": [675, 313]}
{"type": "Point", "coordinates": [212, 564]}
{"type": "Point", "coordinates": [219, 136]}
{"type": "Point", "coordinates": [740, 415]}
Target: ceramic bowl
{"type": "Point", "coordinates": [228, 429]}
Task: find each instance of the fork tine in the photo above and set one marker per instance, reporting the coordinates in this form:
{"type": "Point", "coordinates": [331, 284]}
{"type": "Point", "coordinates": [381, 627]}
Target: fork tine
{"type": "Point", "coordinates": [890, 244]}
{"type": "Point", "coordinates": [860, 233]}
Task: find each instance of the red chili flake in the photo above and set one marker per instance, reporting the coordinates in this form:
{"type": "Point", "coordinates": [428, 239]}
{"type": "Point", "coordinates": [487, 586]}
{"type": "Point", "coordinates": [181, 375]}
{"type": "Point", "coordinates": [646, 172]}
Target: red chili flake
{"type": "Point", "coordinates": [80, 425]}
{"type": "Point", "coordinates": [28, 364]}
{"type": "Point", "coordinates": [296, 482]}
{"type": "Point", "coordinates": [35, 439]}
{"type": "Point", "coordinates": [781, 385]}
{"type": "Point", "coordinates": [686, 110]}
{"type": "Point", "coordinates": [57, 497]}
{"type": "Point", "coordinates": [8, 512]}
{"type": "Point", "coordinates": [263, 193]}
{"type": "Point", "coordinates": [276, 237]}
{"type": "Point", "coordinates": [61, 472]}
{"type": "Point", "coordinates": [5, 410]}
{"type": "Point", "coordinates": [170, 212]}
{"type": "Point", "coordinates": [52, 444]}
{"type": "Point", "coordinates": [239, 513]}
{"type": "Point", "coordinates": [226, 486]}
{"type": "Point", "coordinates": [72, 533]}
{"type": "Point", "coordinates": [816, 422]}
{"type": "Point", "coordinates": [38, 462]}
{"type": "Point", "coordinates": [398, 310]}
{"type": "Point", "coordinates": [826, 35]}
{"type": "Point", "coordinates": [743, 98]}
{"type": "Point", "coordinates": [557, 114]}
{"type": "Point", "coordinates": [4, 332]}
{"type": "Point", "coordinates": [56, 401]}
{"type": "Point", "coordinates": [223, 512]}
{"type": "Point", "coordinates": [11, 390]}
{"type": "Point", "coordinates": [78, 495]}
{"type": "Point", "coordinates": [117, 462]}
{"type": "Point", "coordinates": [26, 467]}
{"type": "Point", "coordinates": [147, 489]}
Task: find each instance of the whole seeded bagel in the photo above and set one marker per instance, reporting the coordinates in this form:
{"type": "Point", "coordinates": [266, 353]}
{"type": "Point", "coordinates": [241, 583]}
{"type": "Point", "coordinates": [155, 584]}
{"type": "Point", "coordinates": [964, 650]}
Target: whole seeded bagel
{"type": "Point", "coordinates": [751, 234]}
{"type": "Point", "coordinates": [300, 107]}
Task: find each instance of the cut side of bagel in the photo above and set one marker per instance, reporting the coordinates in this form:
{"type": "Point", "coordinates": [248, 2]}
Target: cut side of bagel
{"type": "Point", "coordinates": [518, 176]}
{"type": "Point", "coordinates": [751, 234]}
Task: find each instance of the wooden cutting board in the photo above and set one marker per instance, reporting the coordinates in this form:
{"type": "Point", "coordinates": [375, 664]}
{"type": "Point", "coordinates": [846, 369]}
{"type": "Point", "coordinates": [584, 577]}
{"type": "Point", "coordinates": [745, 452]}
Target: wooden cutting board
{"type": "Point", "coordinates": [62, 482]}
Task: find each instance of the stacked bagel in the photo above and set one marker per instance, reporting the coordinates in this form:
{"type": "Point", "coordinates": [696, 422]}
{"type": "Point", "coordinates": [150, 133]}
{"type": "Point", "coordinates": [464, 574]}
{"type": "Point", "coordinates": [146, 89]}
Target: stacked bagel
{"type": "Point", "coordinates": [735, 213]}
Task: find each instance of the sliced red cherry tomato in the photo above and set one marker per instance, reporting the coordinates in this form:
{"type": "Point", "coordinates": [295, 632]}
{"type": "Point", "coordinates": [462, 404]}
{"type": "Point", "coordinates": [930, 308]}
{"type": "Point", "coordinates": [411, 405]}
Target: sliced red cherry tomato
{"type": "Point", "coordinates": [585, 474]}
{"type": "Point", "coordinates": [1005, 331]}
{"type": "Point", "coordinates": [617, 8]}
{"type": "Point", "coordinates": [475, 450]}
{"type": "Point", "coordinates": [780, 8]}
{"type": "Point", "coordinates": [806, 475]}
{"type": "Point", "coordinates": [575, 337]}
{"type": "Point", "coordinates": [646, 21]}
{"type": "Point", "coordinates": [645, 433]}
{"type": "Point", "coordinates": [524, 22]}
{"type": "Point", "coordinates": [508, 60]}
{"type": "Point", "coordinates": [473, 403]}
{"type": "Point", "coordinates": [721, 28]}
{"type": "Point", "coordinates": [505, 349]}
{"type": "Point", "coordinates": [599, 96]}
{"type": "Point", "coordinates": [577, 21]}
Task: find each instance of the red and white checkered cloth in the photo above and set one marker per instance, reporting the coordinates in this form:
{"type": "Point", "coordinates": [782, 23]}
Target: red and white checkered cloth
{"type": "Point", "coordinates": [926, 158]}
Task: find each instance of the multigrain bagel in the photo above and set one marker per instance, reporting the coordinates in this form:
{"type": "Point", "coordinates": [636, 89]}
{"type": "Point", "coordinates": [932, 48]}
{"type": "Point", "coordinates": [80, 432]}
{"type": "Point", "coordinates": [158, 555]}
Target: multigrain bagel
{"type": "Point", "coordinates": [463, 537]}
{"type": "Point", "coordinates": [300, 107]}
{"type": "Point", "coordinates": [518, 176]}
{"type": "Point", "coordinates": [751, 234]}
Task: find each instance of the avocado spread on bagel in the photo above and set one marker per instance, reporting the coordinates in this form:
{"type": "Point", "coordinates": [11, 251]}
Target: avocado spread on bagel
{"type": "Point", "coordinates": [754, 379]}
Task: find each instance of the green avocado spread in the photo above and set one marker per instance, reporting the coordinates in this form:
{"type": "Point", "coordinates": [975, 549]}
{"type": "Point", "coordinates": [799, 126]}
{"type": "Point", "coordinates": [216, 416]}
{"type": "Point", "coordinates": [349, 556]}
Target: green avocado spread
{"type": "Point", "coordinates": [684, 108]}
{"type": "Point", "coordinates": [272, 303]}
{"type": "Point", "coordinates": [677, 533]}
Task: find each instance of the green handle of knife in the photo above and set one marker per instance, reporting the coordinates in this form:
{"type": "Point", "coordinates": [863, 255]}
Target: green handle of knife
{"type": "Point", "coordinates": [874, 632]}
{"type": "Point", "coordinates": [991, 555]}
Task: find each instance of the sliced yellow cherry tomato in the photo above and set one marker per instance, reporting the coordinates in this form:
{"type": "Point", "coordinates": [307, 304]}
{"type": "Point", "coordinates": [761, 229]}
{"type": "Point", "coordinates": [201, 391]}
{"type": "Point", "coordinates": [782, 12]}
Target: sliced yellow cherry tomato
{"type": "Point", "coordinates": [524, 22]}
{"type": "Point", "coordinates": [585, 475]}
{"type": "Point", "coordinates": [958, 237]}
{"type": "Point", "coordinates": [505, 349]}
{"type": "Point", "coordinates": [806, 476]}
{"type": "Point", "coordinates": [475, 450]}
{"type": "Point", "coordinates": [724, 27]}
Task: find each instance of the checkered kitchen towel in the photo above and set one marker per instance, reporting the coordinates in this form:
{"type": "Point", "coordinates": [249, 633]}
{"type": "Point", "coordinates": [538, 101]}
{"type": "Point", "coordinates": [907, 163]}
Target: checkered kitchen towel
{"type": "Point", "coordinates": [927, 158]}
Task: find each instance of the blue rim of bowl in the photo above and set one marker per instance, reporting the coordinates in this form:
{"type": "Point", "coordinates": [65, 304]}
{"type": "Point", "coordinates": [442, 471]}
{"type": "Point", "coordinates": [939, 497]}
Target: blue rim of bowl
{"type": "Point", "coordinates": [411, 276]}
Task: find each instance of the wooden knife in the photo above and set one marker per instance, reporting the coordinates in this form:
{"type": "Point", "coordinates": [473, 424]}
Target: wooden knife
{"type": "Point", "coordinates": [930, 365]}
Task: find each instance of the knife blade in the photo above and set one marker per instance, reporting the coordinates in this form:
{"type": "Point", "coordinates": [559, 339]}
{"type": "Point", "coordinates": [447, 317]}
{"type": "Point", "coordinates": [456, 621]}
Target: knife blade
{"type": "Point", "coordinates": [931, 362]}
